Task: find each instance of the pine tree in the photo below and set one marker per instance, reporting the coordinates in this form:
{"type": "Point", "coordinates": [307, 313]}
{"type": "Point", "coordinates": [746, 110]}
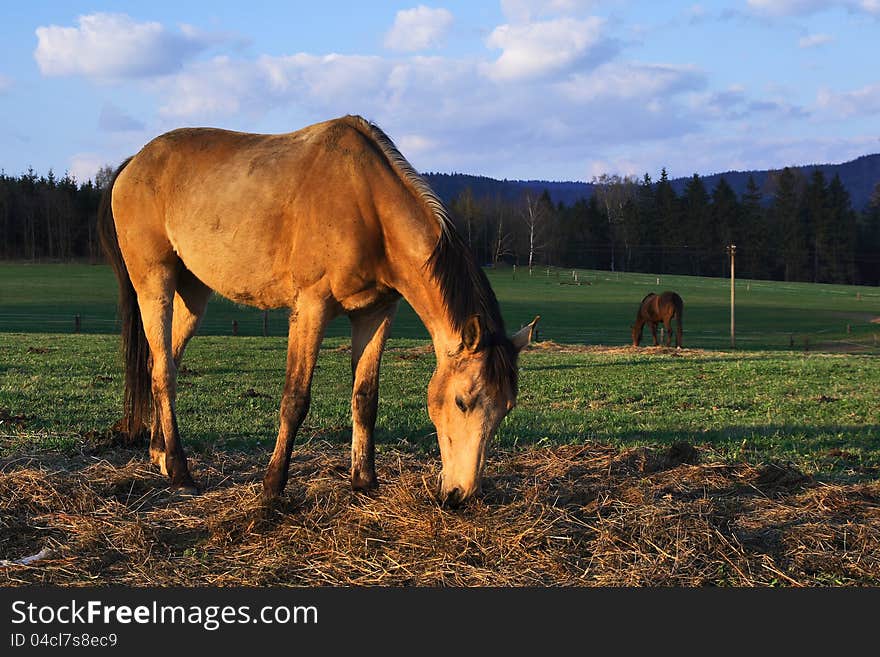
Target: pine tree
{"type": "Point", "coordinates": [844, 230]}
{"type": "Point", "coordinates": [818, 227]}
{"type": "Point", "coordinates": [756, 234]}
{"type": "Point", "coordinates": [648, 256]}
{"type": "Point", "coordinates": [868, 243]}
{"type": "Point", "coordinates": [726, 222]}
{"type": "Point", "coordinates": [667, 216]}
{"type": "Point", "coordinates": [698, 231]}
{"type": "Point", "coordinates": [788, 218]}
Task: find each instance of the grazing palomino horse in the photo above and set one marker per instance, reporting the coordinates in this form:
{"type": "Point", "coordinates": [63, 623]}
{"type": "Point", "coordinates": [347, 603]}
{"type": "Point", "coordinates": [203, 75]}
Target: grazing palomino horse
{"type": "Point", "coordinates": [326, 220]}
{"type": "Point", "coordinates": [659, 308]}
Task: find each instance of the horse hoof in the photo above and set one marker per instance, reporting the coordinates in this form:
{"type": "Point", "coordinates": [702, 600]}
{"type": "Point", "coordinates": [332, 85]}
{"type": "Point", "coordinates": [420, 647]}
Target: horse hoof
{"type": "Point", "coordinates": [364, 484]}
{"type": "Point", "coordinates": [269, 496]}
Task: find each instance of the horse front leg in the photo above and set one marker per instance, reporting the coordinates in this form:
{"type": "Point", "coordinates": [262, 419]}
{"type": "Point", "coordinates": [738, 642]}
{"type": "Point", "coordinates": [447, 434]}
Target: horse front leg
{"type": "Point", "coordinates": [305, 332]}
{"type": "Point", "coordinates": [668, 325]}
{"type": "Point", "coordinates": [654, 332]}
{"type": "Point", "coordinates": [369, 333]}
{"type": "Point", "coordinates": [637, 332]}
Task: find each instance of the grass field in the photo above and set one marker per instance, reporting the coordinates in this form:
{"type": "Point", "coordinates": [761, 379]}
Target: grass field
{"type": "Point", "coordinates": [766, 398]}
{"type": "Point", "coordinates": [769, 315]}
{"type": "Point", "coordinates": [592, 453]}
{"type": "Point", "coordinates": [817, 410]}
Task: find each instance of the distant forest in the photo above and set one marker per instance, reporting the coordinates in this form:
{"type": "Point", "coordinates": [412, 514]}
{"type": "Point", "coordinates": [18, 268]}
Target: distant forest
{"type": "Point", "coordinates": [796, 226]}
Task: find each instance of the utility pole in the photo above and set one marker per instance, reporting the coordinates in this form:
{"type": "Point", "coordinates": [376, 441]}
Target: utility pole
{"type": "Point", "coordinates": [731, 249]}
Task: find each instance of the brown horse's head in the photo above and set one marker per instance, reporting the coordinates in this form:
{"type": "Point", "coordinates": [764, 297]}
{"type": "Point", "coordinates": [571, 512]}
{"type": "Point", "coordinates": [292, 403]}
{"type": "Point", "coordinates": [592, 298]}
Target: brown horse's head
{"type": "Point", "coordinates": [470, 393]}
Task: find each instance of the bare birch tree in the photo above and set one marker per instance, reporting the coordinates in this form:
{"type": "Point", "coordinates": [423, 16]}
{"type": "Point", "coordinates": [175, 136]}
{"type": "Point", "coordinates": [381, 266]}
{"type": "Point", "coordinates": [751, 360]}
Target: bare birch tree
{"type": "Point", "coordinates": [613, 192]}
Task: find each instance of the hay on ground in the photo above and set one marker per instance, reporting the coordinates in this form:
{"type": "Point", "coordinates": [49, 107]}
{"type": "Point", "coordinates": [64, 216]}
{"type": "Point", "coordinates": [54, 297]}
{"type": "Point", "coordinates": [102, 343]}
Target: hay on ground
{"type": "Point", "coordinates": [585, 515]}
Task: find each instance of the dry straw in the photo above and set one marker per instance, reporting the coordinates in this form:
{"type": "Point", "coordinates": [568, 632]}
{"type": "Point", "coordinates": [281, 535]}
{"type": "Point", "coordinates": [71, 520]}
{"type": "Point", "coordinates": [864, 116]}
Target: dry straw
{"type": "Point", "coordinates": [585, 515]}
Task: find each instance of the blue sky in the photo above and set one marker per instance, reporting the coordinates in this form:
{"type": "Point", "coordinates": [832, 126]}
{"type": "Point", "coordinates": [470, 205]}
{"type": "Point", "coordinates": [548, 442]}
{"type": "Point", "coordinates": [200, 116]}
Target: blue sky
{"type": "Point", "coordinates": [518, 89]}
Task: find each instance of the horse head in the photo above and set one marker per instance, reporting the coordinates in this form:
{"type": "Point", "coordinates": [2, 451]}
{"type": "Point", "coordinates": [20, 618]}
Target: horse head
{"type": "Point", "coordinates": [470, 393]}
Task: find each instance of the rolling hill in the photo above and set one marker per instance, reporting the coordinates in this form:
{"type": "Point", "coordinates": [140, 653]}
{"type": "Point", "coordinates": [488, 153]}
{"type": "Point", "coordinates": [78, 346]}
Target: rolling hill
{"type": "Point", "coordinates": [859, 176]}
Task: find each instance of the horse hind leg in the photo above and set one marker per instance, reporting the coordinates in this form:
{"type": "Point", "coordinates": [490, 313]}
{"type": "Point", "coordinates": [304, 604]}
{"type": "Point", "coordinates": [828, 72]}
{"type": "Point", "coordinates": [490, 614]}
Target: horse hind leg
{"type": "Point", "coordinates": [155, 290]}
{"type": "Point", "coordinates": [190, 300]}
{"type": "Point", "coordinates": [369, 333]}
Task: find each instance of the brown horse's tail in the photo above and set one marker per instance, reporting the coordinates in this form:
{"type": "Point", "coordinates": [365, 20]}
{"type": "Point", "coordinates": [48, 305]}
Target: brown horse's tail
{"type": "Point", "coordinates": [136, 352]}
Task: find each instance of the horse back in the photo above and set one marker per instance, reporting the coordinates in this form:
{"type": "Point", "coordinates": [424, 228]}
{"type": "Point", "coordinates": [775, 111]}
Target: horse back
{"type": "Point", "coordinates": [258, 217]}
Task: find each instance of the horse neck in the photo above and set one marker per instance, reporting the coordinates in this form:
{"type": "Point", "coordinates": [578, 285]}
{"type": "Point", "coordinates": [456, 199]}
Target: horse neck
{"type": "Point", "coordinates": [413, 279]}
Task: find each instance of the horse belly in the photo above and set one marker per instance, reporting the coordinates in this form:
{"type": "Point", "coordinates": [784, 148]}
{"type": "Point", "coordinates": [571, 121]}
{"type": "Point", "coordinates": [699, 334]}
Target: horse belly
{"type": "Point", "coordinates": [241, 265]}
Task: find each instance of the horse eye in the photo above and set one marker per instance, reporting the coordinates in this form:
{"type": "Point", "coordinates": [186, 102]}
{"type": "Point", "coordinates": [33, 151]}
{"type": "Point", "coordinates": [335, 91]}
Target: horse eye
{"type": "Point", "coordinates": [460, 403]}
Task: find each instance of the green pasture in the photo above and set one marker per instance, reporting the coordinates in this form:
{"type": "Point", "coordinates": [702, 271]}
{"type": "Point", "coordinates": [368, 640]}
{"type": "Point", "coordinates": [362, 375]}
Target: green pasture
{"type": "Point", "coordinates": [819, 411]}
{"type": "Point", "coordinates": [787, 392]}
{"type": "Point", "coordinates": [597, 308]}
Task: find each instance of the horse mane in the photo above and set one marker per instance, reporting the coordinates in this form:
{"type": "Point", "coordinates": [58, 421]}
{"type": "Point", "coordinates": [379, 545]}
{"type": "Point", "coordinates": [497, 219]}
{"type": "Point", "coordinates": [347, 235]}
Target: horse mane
{"type": "Point", "coordinates": [463, 283]}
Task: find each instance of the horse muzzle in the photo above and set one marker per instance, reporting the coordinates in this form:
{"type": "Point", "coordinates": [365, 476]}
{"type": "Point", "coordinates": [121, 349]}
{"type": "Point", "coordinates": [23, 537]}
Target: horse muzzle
{"type": "Point", "coordinates": [454, 497]}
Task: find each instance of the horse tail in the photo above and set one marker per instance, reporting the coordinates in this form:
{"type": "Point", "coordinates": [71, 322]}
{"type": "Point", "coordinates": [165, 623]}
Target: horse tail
{"type": "Point", "coordinates": [137, 399]}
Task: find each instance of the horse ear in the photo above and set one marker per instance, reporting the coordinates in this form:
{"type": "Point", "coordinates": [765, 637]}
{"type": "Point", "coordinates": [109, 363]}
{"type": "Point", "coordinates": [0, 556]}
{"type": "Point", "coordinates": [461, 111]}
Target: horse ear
{"type": "Point", "coordinates": [472, 333]}
{"type": "Point", "coordinates": [522, 337]}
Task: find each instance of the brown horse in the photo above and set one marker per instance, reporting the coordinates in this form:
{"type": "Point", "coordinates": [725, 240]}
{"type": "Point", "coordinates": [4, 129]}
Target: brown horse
{"type": "Point", "coordinates": [326, 220]}
{"type": "Point", "coordinates": [659, 308]}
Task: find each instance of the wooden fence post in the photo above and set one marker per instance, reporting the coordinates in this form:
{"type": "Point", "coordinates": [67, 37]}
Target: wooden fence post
{"type": "Point", "coordinates": [234, 327]}
{"type": "Point", "coordinates": [265, 323]}
{"type": "Point", "coordinates": [731, 250]}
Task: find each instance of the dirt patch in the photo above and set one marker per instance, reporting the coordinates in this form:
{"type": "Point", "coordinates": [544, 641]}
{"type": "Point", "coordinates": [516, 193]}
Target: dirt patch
{"type": "Point", "coordinates": [250, 393]}
{"type": "Point", "coordinates": [579, 515]}
{"type": "Point", "coordinates": [842, 347]}
{"type": "Point", "coordinates": [185, 371]}
{"type": "Point", "coordinates": [18, 421]}
{"type": "Point", "coordinates": [413, 353]}
{"type": "Point", "coordinates": [555, 347]}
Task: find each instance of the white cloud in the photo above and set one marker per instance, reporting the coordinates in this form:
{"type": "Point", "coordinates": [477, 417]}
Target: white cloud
{"type": "Point", "coordinates": [326, 79]}
{"type": "Point", "coordinates": [787, 7]}
{"type": "Point", "coordinates": [780, 8]}
{"type": "Point", "coordinates": [527, 10]}
{"type": "Point", "coordinates": [415, 144]}
{"type": "Point", "coordinates": [420, 28]}
{"type": "Point", "coordinates": [814, 40]}
{"type": "Point", "coordinates": [538, 49]}
{"type": "Point", "coordinates": [84, 166]}
{"type": "Point", "coordinates": [113, 46]}
{"type": "Point", "coordinates": [221, 87]}
{"type": "Point", "coordinates": [622, 166]}
{"type": "Point", "coordinates": [860, 102]}
{"type": "Point", "coordinates": [330, 84]}
{"type": "Point", "coordinates": [631, 81]}
{"type": "Point", "coordinates": [558, 102]}
{"type": "Point", "coordinates": [441, 113]}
